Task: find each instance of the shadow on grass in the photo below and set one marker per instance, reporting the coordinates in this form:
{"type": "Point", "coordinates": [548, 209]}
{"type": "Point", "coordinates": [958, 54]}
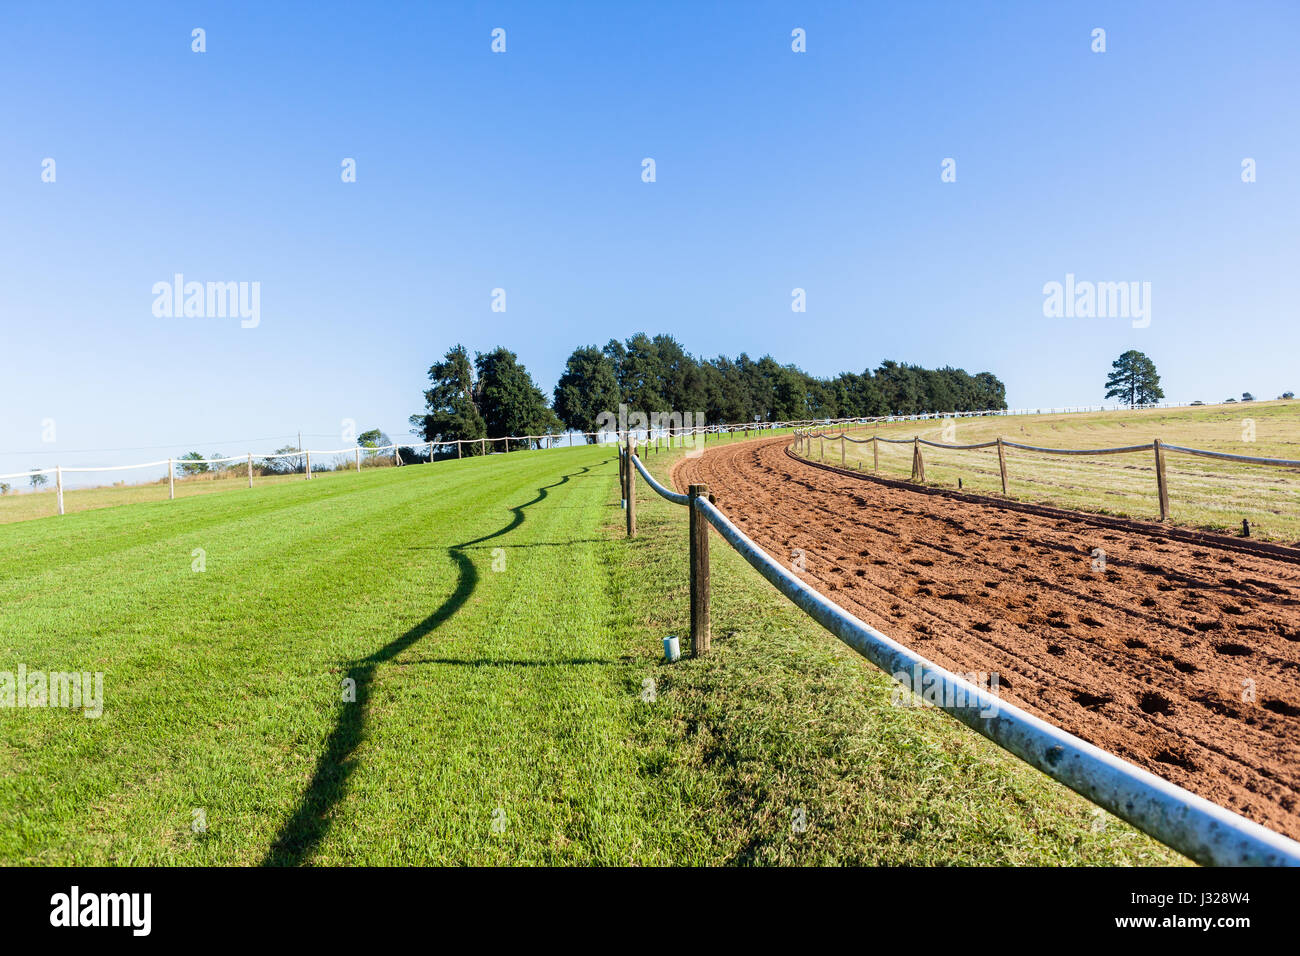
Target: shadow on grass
{"type": "Point", "coordinates": [303, 832]}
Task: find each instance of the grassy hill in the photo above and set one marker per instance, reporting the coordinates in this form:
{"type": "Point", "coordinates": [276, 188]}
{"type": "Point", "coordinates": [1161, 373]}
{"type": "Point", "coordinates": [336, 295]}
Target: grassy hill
{"type": "Point", "coordinates": [510, 705]}
{"type": "Point", "coordinates": [1202, 492]}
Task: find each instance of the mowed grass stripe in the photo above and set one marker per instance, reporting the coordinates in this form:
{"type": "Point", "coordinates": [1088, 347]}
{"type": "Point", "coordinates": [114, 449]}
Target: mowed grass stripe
{"type": "Point", "coordinates": [521, 720]}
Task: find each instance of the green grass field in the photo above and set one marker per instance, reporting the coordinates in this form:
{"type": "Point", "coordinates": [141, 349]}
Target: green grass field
{"type": "Point", "coordinates": [511, 706]}
{"type": "Point", "coordinates": [1202, 492]}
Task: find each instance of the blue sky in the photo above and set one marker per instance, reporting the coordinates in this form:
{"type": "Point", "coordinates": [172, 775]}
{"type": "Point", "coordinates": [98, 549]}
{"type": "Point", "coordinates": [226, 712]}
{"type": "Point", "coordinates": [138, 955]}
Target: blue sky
{"type": "Point", "coordinates": [522, 171]}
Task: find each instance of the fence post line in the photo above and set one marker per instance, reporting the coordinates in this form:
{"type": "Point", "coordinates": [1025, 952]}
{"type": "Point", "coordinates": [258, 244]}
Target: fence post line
{"type": "Point", "coordinates": [58, 486]}
{"type": "Point", "coordinates": [308, 454]}
{"type": "Point", "coordinates": [171, 478]}
{"type": "Point", "coordinates": [1162, 484]}
{"type": "Point", "coordinates": [1002, 464]}
{"type": "Point", "coordinates": [250, 469]}
{"type": "Point", "coordinates": [631, 491]}
{"type": "Point", "coordinates": [701, 637]}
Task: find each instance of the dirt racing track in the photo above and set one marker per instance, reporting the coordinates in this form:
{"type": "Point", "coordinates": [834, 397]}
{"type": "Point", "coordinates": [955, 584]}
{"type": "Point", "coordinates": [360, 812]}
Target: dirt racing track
{"type": "Point", "coordinates": [1180, 656]}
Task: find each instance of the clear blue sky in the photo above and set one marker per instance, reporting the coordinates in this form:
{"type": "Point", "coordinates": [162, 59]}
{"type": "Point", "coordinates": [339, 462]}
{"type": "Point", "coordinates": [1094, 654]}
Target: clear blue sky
{"type": "Point", "coordinates": [523, 171]}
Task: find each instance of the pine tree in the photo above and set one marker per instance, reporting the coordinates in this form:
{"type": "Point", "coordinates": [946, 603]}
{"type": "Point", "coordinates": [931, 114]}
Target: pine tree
{"type": "Point", "coordinates": [451, 410]}
{"type": "Point", "coordinates": [1133, 379]}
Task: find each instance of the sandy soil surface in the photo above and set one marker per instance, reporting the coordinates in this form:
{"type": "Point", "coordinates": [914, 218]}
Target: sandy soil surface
{"type": "Point", "coordinates": [1182, 657]}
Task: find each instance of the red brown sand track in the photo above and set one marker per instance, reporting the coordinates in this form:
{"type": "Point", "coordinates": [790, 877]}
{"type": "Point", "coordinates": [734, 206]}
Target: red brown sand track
{"type": "Point", "coordinates": [1148, 659]}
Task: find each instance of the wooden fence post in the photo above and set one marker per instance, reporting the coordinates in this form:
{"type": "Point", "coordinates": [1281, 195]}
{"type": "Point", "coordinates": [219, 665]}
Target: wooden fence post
{"type": "Point", "coordinates": [631, 491]}
{"type": "Point", "coordinates": [171, 479]}
{"type": "Point", "coordinates": [308, 465]}
{"type": "Point", "coordinates": [458, 449]}
{"type": "Point", "coordinates": [357, 454]}
{"type": "Point", "coordinates": [821, 455]}
{"type": "Point", "coordinates": [875, 453]}
{"type": "Point", "coordinates": [842, 447]}
{"type": "Point", "coordinates": [701, 637]}
{"type": "Point", "coordinates": [397, 459]}
{"type": "Point", "coordinates": [250, 469]}
{"type": "Point", "coordinates": [918, 463]}
{"type": "Point", "coordinates": [1162, 484]}
{"type": "Point", "coordinates": [1002, 464]}
{"type": "Point", "coordinates": [58, 486]}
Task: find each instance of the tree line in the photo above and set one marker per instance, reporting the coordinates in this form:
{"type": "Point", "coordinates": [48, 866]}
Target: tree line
{"type": "Point", "coordinates": [494, 395]}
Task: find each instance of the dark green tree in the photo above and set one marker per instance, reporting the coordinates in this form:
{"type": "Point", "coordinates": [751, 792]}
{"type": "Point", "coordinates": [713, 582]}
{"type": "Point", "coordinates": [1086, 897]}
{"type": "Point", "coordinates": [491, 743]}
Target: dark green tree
{"type": "Point", "coordinates": [642, 376]}
{"type": "Point", "coordinates": [373, 438]}
{"type": "Point", "coordinates": [901, 388]}
{"type": "Point", "coordinates": [990, 393]}
{"type": "Point", "coordinates": [1133, 380]}
{"type": "Point", "coordinates": [192, 463]}
{"type": "Point", "coordinates": [588, 387]}
{"type": "Point", "coordinates": [451, 404]}
{"type": "Point", "coordinates": [727, 390]}
{"type": "Point", "coordinates": [509, 400]}
{"type": "Point", "coordinates": [789, 394]}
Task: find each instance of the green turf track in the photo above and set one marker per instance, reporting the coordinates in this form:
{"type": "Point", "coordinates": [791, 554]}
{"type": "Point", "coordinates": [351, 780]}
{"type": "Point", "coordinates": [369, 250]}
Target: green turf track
{"type": "Point", "coordinates": [501, 635]}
